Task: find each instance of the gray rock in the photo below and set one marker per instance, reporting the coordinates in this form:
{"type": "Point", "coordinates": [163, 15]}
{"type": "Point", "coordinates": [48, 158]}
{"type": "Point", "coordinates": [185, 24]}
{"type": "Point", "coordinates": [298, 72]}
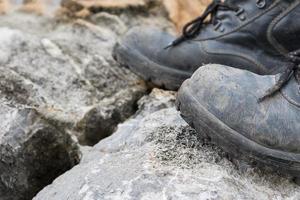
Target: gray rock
{"type": "Point", "coordinates": [33, 151]}
{"type": "Point", "coordinates": [71, 71]}
{"type": "Point", "coordinates": [156, 155]}
{"type": "Point", "coordinates": [59, 85]}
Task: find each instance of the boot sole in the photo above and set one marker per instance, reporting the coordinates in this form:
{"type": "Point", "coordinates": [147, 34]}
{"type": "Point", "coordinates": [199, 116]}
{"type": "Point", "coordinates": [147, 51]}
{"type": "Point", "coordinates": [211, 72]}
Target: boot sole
{"type": "Point", "coordinates": [235, 144]}
{"type": "Point", "coordinates": [159, 75]}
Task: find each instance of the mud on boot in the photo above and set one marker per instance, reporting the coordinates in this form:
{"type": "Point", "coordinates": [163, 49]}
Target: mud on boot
{"type": "Point", "coordinates": [226, 104]}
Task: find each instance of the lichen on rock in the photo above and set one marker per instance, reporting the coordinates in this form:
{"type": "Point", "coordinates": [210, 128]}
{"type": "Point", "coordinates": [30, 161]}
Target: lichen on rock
{"type": "Point", "coordinates": [33, 151]}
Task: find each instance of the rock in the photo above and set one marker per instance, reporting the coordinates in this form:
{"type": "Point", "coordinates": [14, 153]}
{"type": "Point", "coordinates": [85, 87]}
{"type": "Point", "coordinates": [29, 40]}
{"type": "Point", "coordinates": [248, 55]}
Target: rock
{"type": "Point", "coordinates": [59, 86]}
{"type": "Point", "coordinates": [33, 151]}
{"type": "Point", "coordinates": [69, 75]}
{"type": "Point", "coordinates": [156, 155]}
{"type": "Point", "coordinates": [113, 4]}
{"type": "Point", "coordinates": [32, 6]}
{"type": "Point", "coordinates": [85, 8]}
{"type": "Point", "coordinates": [155, 101]}
{"type": "Point", "coordinates": [4, 5]}
{"type": "Point", "coordinates": [178, 11]}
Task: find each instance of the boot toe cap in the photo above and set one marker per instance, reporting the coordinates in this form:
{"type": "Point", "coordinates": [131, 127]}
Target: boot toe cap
{"type": "Point", "coordinates": [231, 95]}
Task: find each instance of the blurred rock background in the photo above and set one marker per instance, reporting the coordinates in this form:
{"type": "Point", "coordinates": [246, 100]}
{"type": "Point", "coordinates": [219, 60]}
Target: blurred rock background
{"type": "Point", "coordinates": [179, 11]}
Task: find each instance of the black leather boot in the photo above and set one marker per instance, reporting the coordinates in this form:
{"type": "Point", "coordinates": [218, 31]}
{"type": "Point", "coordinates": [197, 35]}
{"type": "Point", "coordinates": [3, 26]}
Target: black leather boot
{"type": "Point", "coordinates": [252, 117]}
{"type": "Point", "coordinates": [247, 34]}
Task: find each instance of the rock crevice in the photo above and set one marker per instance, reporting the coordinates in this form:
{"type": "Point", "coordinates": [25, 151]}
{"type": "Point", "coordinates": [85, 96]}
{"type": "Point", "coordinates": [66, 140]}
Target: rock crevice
{"type": "Point", "coordinates": [156, 155]}
{"type": "Point", "coordinates": [60, 88]}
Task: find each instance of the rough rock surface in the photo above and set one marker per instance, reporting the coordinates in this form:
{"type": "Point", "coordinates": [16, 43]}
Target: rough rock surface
{"type": "Point", "coordinates": [68, 73]}
{"type": "Point", "coordinates": [33, 151]}
{"type": "Point", "coordinates": [155, 155]}
{"type": "Point", "coordinates": [178, 11]}
{"type": "Point", "coordinates": [85, 8]}
{"type": "Point", "coordinates": [59, 85]}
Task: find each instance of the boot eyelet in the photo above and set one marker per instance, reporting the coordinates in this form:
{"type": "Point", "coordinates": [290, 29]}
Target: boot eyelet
{"type": "Point", "coordinates": [261, 3]}
{"type": "Point", "coordinates": [218, 26]}
{"type": "Point", "coordinates": [240, 14]}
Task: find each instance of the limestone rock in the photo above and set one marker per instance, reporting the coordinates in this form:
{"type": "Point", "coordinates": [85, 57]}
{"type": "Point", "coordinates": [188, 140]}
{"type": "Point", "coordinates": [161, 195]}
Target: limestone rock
{"type": "Point", "coordinates": [59, 85]}
{"type": "Point", "coordinates": [69, 75]}
{"type": "Point", "coordinates": [33, 151]}
{"type": "Point", "coordinates": [4, 6]}
{"type": "Point", "coordinates": [156, 155]}
{"type": "Point", "coordinates": [119, 4]}
{"type": "Point", "coordinates": [84, 8]}
{"type": "Point", "coordinates": [179, 11]}
{"type": "Point", "coordinates": [32, 6]}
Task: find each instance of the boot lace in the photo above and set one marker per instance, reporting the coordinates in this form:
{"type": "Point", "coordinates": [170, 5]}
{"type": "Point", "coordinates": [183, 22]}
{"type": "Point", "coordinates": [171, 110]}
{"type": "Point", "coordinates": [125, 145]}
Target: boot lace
{"type": "Point", "coordinates": [293, 68]}
{"type": "Point", "coordinates": [193, 28]}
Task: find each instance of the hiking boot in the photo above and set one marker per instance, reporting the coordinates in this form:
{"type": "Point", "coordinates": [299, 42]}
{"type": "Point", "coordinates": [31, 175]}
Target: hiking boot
{"type": "Point", "coordinates": [252, 117]}
{"type": "Point", "coordinates": [246, 34]}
